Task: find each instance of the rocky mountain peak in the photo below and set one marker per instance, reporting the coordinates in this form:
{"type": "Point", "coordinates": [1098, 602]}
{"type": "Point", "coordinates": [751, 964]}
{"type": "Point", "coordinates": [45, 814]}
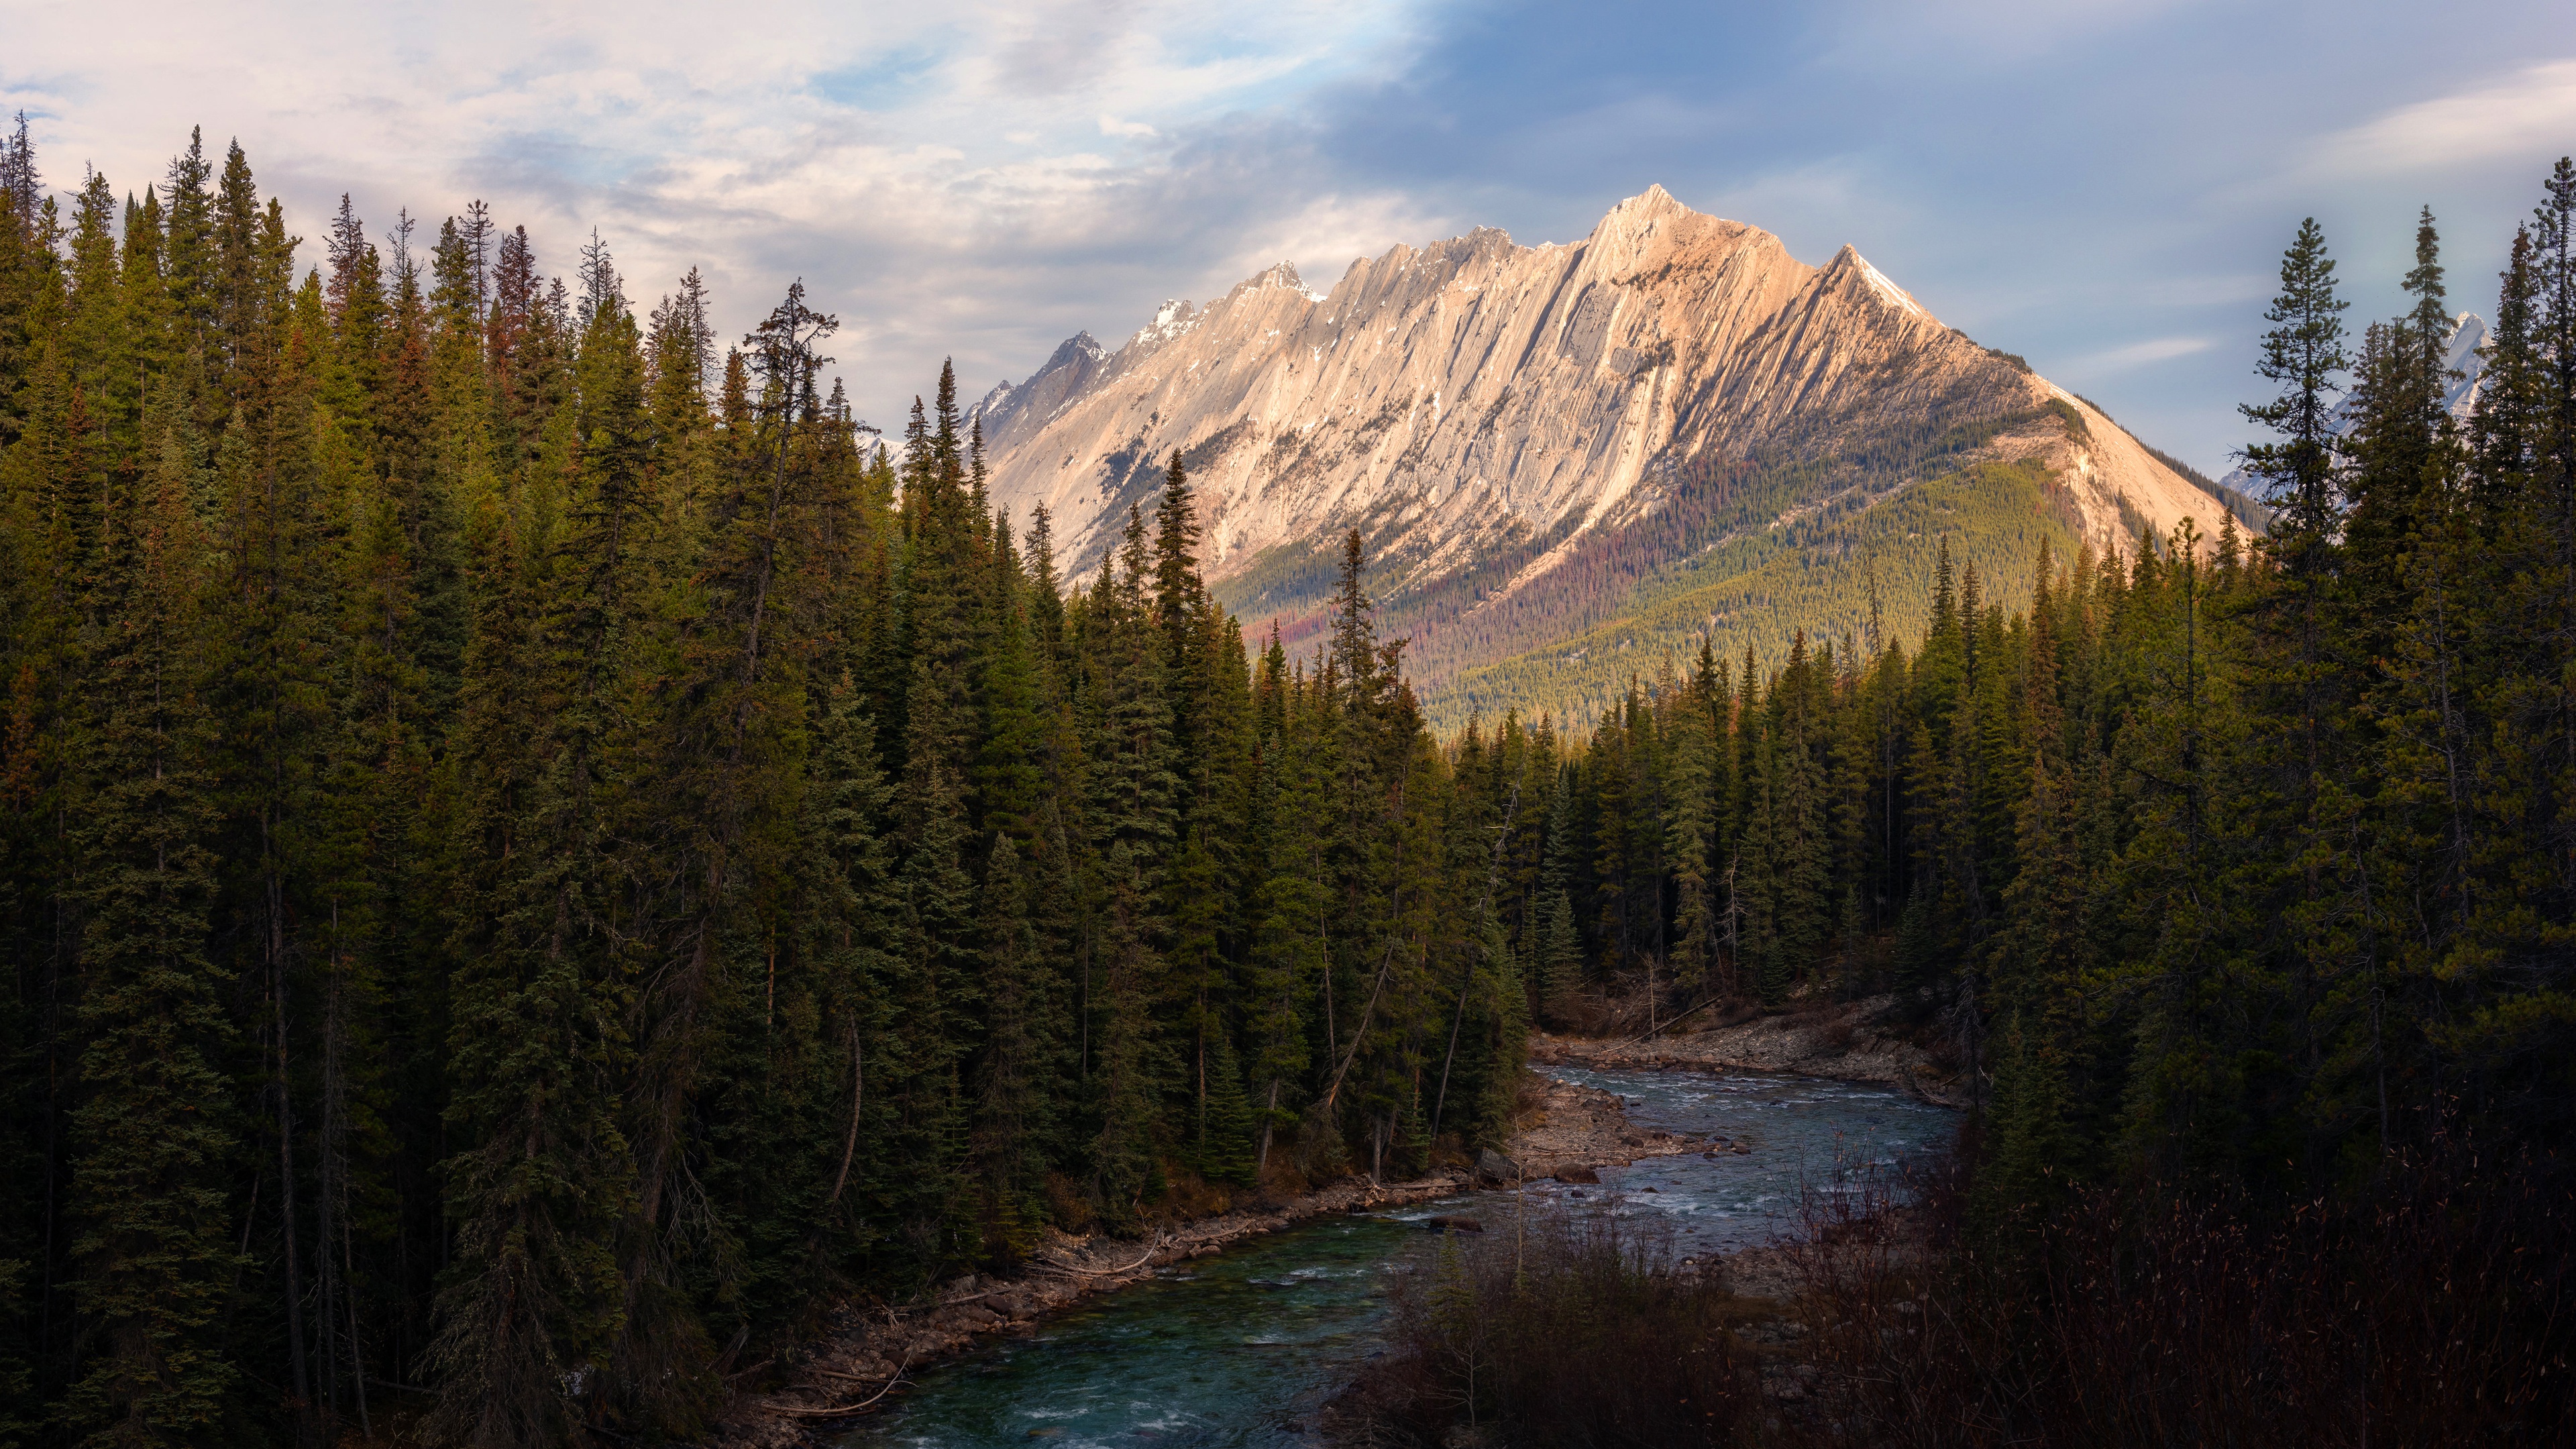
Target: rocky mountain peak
{"type": "Point", "coordinates": [1281, 275]}
{"type": "Point", "coordinates": [1171, 320]}
{"type": "Point", "coordinates": [1505, 422]}
{"type": "Point", "coordinates": [1851, 272]}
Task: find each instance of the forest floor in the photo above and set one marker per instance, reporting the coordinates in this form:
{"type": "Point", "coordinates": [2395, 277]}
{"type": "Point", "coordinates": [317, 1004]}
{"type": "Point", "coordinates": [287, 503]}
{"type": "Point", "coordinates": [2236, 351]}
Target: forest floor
{"type": "Point", "coordinates": [1897, 1039]}
{"type": "Point", "coordinates": [866, 1347]}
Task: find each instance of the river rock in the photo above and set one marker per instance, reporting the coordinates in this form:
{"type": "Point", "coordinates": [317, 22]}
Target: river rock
{"type": "Point", "coordinates": [1577, 1174]}
{"type": "Point", "coordinates": [1451, 1224]}
{"type": "Point", "coordinates": [1492, 1166]}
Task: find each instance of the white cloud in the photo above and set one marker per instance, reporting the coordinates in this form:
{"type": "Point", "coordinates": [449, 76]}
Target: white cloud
{"type": "Point", "coordinates": [2525, 114]}
{"type": "Point", "coordinates": [2141, 354]}
{"type": "Point", "coordinates": [938, 176]}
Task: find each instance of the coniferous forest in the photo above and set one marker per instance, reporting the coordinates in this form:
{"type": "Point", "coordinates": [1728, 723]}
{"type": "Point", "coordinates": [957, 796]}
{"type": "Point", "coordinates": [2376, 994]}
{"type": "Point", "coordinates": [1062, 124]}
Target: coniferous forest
{"type": "Point", "coordinates": [539, 856]}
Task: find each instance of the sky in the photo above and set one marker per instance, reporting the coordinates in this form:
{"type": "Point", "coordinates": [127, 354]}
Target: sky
{"type": "Point", "coordinates": [2102, 186]}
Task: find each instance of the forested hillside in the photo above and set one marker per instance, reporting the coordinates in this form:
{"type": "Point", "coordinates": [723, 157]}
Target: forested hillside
{"type": "Point", "coordinates": [538, 861]}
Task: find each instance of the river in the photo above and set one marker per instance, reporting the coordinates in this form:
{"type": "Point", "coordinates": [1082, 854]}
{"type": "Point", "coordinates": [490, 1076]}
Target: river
{"type": "Point", "coordinates": [1240, 1349]}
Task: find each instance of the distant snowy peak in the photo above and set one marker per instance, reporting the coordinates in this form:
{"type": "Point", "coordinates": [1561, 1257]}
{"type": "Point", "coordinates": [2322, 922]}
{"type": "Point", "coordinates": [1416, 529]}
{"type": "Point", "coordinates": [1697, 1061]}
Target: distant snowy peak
{"type": "Point", "coordinates": [2465, 353]}
{"type": "Point", "coordinates": [1172, 319]}
{"type": "Point", "coordinates": [1507, 426]}
{"type": "Point", "coordinates": [1078, 361]}
{"type": "Point", "coordinates": [1877, 282]}
{"type": "Point", "coordinates": [1281, 275]}
{"type": "Point", "coordinates": [2467, 358]}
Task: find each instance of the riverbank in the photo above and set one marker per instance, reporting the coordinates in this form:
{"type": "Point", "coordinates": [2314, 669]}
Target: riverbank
{"type": "Point", "coordinates": [1710, 1297]}
{"type": "Point", "coordinates": [866, 1349]}
{"type": "Point", "coordinates": [1897, 1040]}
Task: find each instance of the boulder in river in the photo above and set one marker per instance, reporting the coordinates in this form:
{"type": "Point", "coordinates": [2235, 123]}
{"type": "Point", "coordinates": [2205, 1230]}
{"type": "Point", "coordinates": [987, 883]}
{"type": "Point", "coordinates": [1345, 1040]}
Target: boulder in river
{"type": "Point", "coordinates": [1492, 1166]}
{"type": "Point", "coordinates": [1451, 1224]}
{"type": "Point", "coordinates": [1577, 1174]}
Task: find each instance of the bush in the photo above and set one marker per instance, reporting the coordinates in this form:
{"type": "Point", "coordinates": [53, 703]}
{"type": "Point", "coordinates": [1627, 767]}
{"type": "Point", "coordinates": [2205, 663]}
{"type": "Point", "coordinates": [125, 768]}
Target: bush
{"type": "Point", "coordinates": [2431, 1306]}
{"type": "Point", "coordinates": [1573, 1332]}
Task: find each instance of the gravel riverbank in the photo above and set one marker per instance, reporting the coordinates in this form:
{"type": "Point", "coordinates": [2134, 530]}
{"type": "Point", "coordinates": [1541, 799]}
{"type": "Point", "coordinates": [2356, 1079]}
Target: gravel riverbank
{"type": "Point", "coordinates": [1881, 1039]}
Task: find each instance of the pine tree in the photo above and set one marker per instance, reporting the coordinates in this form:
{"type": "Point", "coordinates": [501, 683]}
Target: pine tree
{"type": "Point", "coordinates": [155, 1149]}
{"type": "Point", "coordinates": [1559, 959]}
{"type": "Point", "coordinates": [1226, 1140]}
{"type": "Point", "coordinates": [1290, 952]}
{"type": "Point", "coordinates": [1132, 818]}
{"type": "Point", "coordinates": [542, 1190]}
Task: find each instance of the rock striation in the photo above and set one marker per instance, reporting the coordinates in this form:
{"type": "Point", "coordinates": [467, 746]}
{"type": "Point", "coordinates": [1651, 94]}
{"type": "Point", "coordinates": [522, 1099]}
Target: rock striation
{"type": "Point", "coordinates": [1483, 411]}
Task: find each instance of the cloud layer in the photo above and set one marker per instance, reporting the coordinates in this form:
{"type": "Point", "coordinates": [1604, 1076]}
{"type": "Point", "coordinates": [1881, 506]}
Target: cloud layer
{"type": "Point", "coordinates": [2098, 186]}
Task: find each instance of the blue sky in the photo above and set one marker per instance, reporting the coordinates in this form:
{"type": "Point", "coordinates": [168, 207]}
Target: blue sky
{"type": "Point", "coordinates": [2101, 187]}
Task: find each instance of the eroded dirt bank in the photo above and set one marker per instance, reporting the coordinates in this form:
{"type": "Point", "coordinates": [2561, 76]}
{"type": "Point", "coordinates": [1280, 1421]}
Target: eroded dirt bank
{"type": "Point", "coordinates": [869, 1346]}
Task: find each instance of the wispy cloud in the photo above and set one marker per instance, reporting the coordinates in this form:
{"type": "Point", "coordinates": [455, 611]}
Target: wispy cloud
{"type": "Point", "coordinates": [2140, 354]}
{"type": "Point", "coordinates": [980, 178]}
{"type": "Point", "coordinates": [2528, 112]}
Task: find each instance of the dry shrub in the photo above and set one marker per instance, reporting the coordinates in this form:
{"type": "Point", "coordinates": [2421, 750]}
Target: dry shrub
{"type": "Point", "coordinates": [1737, 1012]}
{"type": "Point", "coordinates": [1574, 1332]}
{"type": "Point", "coordinates": [1529, 1095]}
{"type": "Point", "coordinates": [1281, 1182]}
{"type": "Point", "coordinates": [1068, 1206]}
{"type": "Point", "coordinates": [1188, 1197]}
{"type": "Point", "coordinates": [1596, 1013]}
{"type": "Point", "coordinates": [2432, 1309]}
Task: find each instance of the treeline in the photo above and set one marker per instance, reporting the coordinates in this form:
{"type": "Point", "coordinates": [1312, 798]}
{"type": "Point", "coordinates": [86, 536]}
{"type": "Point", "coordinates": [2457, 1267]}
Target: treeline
{"type": "Point", "coordinates": [539, 858]}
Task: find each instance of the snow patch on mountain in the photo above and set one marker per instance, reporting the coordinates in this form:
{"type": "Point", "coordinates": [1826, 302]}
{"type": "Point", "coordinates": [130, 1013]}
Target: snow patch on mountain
{"type": "Point", "coordinates": [1890, 293]}
{"type": "Point", "coordinates": [1172, 319]}
{"type": "Point", "coordinates": [2464, 353]}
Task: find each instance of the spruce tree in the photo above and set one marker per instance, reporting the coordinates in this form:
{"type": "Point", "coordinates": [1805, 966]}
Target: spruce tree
{"type": "Point", "coordinates": [542, 1188]}
{"type": "Point", "coordinates": [154, 1142]}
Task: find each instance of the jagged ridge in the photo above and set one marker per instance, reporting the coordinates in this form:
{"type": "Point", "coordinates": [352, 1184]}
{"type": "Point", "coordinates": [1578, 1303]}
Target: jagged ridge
{"type": "Point", "coordinates": [1492, 416]}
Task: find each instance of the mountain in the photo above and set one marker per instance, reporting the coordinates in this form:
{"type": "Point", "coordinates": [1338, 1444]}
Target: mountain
{"type": "Point", "coordinates": [1572, 459]}
{"type": "Point", "coordinates": [2467, 363]}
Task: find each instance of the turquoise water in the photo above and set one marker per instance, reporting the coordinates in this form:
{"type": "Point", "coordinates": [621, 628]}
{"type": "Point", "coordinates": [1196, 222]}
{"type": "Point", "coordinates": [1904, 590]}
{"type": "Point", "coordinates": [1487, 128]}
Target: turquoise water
{"type": "Point", "coordinates": [1240, 1349]}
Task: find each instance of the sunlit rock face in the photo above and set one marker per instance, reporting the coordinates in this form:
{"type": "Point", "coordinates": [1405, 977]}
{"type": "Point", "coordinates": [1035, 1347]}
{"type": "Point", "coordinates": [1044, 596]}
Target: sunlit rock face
{"type": "Point", "coordinates": [1479, 407]}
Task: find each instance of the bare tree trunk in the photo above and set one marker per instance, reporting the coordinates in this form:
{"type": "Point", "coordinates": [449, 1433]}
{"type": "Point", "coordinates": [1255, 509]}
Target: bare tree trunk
{"type": "Point", "coordinates": [858, 1096]}
{"type": "Point", "coordinates": [1261, 1158]}
{"type": "Point", "coordinates": [286, 1175]}
{"type": "Point", "coordinates": [357, 1361]}
{"type": "Point", "coordinates": [334, 1175]}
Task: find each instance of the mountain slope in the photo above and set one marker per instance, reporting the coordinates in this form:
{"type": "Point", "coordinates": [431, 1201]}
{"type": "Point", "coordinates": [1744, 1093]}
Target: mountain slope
{"type": "Point", "coordinates": [1542, 442]}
